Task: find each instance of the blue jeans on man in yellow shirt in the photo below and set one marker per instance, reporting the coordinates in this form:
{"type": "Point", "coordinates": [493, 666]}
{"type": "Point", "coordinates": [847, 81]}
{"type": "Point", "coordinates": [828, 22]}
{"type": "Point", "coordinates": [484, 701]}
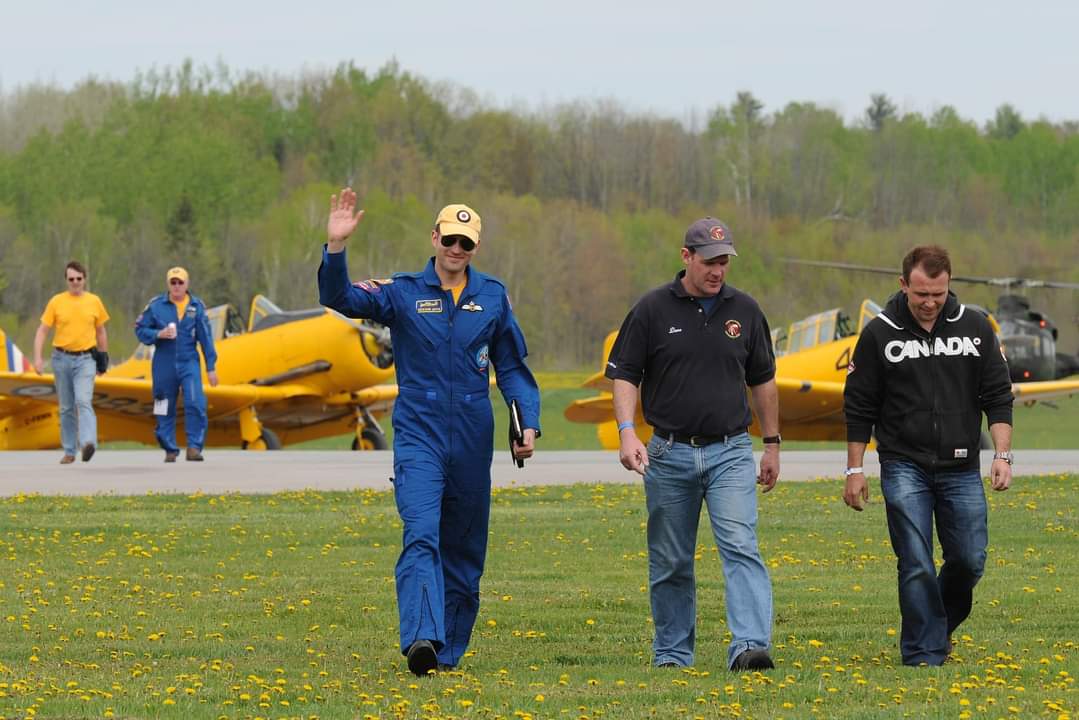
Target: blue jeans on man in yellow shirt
{"type": "Point", "coordinates": [74, 378]}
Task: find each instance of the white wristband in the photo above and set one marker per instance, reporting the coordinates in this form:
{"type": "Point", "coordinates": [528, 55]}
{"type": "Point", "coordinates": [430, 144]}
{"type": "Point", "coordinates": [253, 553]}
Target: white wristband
{"type": "Point", "coordinates": [855, 471]}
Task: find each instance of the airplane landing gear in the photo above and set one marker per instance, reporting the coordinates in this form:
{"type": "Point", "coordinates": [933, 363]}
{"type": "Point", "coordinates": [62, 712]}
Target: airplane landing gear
{"type": "Point", "coordinates": [369, 434]}
{"type": "Point", "coordinates": [267, 440]}
{"type": "Point", "coordinates": [370, 439]}
{"type": "Point", "coordinates": [253, 435]}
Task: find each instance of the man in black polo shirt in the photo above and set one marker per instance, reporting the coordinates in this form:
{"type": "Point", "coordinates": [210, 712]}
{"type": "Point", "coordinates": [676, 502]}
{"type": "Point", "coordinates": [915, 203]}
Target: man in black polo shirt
{"type": "Point", "coordinates": [693, 346]}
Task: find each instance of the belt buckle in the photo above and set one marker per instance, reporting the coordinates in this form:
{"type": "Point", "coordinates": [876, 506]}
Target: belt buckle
{"type": "Point", "coordinates": [693, 441]}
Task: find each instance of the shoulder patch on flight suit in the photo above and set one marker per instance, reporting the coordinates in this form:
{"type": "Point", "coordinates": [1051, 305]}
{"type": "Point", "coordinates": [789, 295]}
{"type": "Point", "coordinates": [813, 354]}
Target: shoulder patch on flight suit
{"type": "Point", "coordinates": [429, 306]}
{"type": "Point", "coordinates": [374, 285]}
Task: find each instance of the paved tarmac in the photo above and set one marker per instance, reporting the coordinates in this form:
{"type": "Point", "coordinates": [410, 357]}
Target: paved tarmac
{"type": "Point", "coordinates": [137, 472]}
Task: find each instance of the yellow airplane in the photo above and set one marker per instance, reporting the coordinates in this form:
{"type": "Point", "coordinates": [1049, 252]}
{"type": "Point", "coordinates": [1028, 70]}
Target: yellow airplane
{"type": "Point", "coordinates": [811, 369]}
{"type": "Point", "coordinates": [287, 377]}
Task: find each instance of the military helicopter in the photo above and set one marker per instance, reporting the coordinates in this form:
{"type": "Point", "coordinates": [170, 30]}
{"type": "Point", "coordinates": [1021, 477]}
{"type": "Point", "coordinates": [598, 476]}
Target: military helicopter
{"type": "Point", "coordinates": [1028, 337]}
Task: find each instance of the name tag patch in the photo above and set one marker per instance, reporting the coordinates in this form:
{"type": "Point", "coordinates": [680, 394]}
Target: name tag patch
{"type": "Point", "coordinates": [429, 306]}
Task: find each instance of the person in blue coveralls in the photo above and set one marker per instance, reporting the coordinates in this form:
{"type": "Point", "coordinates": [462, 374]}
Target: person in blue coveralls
{"type": "Point", "coordinates": [175, 323]}
{"type": "Point", "coordinates": [451, 324]}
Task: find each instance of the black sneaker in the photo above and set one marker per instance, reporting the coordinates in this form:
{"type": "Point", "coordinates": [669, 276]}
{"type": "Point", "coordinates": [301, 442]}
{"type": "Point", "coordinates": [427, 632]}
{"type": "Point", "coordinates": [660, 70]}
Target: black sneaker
{"type": "Point", "coordinates": [668, 665]}
{"type": "Point", "coordinates": [422, 658]}
{"type": "Point", "coordinates": [88, 452]}
{"type": "Point", "coordinates": [753, 659]}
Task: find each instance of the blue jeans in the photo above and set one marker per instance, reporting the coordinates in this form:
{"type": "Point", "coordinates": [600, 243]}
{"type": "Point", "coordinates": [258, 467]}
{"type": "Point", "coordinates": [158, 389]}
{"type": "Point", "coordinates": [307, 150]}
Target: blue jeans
{"type": "Point", "coordinates": [678, 479]}
{"type": "Point", "coordinates": [74, 377]}
{"type": "Point", "coordinates": [934, 604]}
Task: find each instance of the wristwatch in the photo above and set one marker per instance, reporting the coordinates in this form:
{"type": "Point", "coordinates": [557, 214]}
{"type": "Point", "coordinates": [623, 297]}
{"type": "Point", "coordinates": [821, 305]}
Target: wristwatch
{"type": "Point", "coordinates": [1005, 456]}
{"type": "Point", "coordinates": [772, 439]}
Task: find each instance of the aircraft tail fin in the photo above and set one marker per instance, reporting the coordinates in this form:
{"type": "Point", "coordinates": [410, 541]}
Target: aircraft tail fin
{"type": "Point", "coordinates": [11, 358]}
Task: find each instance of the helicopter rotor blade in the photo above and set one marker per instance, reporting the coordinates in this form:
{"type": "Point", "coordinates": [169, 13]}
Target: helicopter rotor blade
{"type": "Point", "coordinates": [1005, 282]}
{"type": "Point", "coordinates": [842, 266]}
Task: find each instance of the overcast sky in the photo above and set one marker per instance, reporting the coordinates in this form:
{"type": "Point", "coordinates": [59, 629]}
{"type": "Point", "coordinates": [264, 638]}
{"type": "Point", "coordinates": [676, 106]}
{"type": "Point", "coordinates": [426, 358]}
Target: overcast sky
{"type": "Point", "coordinates": [672, 57]}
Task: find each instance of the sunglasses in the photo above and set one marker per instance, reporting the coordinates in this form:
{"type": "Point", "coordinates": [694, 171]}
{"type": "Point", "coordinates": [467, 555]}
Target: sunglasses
{"type": "Point", "coordinates": [467, 244]}
{"type": "Point", "coordinates": [176, 281]}
{"type": "Point", "coordinates": [74, 279]}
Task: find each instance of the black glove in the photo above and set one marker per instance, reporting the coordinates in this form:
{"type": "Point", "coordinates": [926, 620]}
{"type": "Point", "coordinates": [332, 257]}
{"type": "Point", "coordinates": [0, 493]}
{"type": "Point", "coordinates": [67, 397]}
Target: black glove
{"type": "Point", "coordinates": [101, 357]}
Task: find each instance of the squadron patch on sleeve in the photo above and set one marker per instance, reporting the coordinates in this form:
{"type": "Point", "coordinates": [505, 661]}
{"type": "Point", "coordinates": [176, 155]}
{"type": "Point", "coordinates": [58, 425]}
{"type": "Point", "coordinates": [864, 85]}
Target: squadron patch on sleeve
{"type": "Point", "coordinates": [374, 285]}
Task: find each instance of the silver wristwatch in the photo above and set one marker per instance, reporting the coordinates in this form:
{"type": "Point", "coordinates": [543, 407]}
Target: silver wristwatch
{"type": "Point", "coordinates": [1005, 456]}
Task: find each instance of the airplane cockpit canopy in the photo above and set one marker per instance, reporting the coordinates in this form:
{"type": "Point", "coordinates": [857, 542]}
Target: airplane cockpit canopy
{"type": "Point", "coordinates": [824, 327]}
{"type": "Point", "coordinates": [867, 312]}
{"type": "Point", "coordinates": [265, 314]}
{"type": "Point", "coordinates": [225, 321]}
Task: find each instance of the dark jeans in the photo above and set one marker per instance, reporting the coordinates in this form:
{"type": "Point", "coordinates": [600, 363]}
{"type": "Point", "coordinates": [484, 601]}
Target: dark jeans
{"type": "Point", "coordinates": [934, 604]}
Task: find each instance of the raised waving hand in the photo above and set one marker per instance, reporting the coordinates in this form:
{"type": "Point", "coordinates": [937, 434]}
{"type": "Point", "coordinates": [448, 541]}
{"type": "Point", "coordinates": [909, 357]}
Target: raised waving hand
{"type": "Point", "coordinates": [343, 219]}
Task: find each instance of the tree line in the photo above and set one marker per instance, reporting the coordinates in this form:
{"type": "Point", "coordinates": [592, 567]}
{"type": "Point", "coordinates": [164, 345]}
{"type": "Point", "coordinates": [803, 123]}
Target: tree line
{"type": "Point", "coordinates": [584, 204]}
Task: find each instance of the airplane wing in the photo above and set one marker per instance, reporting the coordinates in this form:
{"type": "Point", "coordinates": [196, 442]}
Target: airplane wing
{"type": "Point", "coordinates": [800, 401]}
{"type": "Point", "coordinates": [1032, 391]}
{"type": "Point", "coordinates": [373, 395]}
{"type": "Point", "coordinates": [15, 406]}
{"type": "Point", "coordinates": [596, 409]}
{"type": "Point", "coordinates": [134, 398]}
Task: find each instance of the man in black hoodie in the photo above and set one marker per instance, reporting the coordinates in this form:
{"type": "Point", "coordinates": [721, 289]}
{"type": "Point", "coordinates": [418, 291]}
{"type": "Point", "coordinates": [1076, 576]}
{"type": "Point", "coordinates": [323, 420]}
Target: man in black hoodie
{"type": "Point", "coordinates": [922, 374]}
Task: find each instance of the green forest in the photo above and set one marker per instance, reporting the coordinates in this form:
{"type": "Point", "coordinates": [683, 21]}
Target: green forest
{"type": "Point", "coordinates": [584, 205]}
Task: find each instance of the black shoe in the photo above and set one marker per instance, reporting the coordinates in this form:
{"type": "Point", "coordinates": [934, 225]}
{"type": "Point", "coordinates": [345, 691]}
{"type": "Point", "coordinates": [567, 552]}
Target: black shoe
{"type": "Point", "coordinates": [422, 658]}
{"type": "Point", "coordinates": [753, 659]}
{"type": "Point", "coordinates": [171, 456]}
{"type": "Point", "coordinates": [88, 452]}
{"type": "Point", "coordinates": [194, 454]}
{"type": "Point", "coordinates": [443, 667]}
{"type": "Point", "coordinates": [668, 665]}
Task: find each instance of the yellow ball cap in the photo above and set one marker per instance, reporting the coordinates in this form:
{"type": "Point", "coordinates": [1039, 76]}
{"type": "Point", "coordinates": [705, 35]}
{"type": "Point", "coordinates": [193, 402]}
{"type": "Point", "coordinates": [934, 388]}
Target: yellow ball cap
{"type": "Point", "coordinates": [176, 272]}
{"type": "Point", "coordinates": [459, 220]}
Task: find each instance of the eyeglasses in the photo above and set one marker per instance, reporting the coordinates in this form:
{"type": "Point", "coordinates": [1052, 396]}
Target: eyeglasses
{"type": "Point", "coordinates": [74, 279]}
{"type": "Point", "coordinates": [467, 244]}
{"type": "Point", "coordinates": [176, 281]}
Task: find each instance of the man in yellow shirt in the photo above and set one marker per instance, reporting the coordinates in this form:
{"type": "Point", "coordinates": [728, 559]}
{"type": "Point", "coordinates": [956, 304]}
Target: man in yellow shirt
{"type": "Point", "coordinates": [79, 318]}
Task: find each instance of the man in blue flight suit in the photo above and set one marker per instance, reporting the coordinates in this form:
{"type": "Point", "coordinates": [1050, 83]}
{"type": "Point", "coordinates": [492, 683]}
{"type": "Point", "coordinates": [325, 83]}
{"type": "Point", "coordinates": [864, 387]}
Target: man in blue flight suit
{"type": "Point", "coordinates": [450, 323]}
{"type": "Point", "coordinates": [174, 322]}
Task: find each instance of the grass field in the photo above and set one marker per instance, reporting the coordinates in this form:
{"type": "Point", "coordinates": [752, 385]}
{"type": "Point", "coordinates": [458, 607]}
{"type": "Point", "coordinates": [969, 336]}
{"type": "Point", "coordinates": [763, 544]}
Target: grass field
{"type": "Point", "coordinates": [283, 606]}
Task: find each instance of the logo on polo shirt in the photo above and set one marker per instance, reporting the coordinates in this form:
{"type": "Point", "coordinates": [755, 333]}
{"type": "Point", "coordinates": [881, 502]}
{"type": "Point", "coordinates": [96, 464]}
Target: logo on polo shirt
{"type": "Point", "coordinates": [733, 328]}
{"type": "Point", "coordinates": [674, 330]}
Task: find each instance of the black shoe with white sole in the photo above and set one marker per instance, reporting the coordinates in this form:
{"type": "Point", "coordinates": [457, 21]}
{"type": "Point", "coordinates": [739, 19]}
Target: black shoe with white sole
{"type": "Point", "coordinates": [422, 657]}
{"type": "Point", "coordinates": [753, 659]}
